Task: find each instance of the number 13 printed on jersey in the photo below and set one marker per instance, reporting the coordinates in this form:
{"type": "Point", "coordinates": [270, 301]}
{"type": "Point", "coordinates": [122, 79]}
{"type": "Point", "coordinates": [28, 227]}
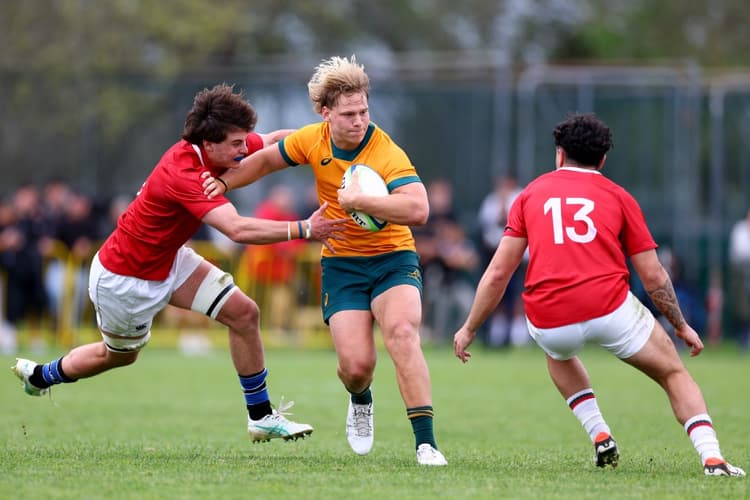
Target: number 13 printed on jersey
{"type": "Point", "coordinates": [554, 205]}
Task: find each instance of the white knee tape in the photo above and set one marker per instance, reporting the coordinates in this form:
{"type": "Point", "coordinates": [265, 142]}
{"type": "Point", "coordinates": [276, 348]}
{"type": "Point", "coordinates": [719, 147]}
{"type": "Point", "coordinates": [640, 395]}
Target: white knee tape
{"type": "Point", "coordinates": [213, 293]}
{"type": "Point", "coordinates": [125, 344]}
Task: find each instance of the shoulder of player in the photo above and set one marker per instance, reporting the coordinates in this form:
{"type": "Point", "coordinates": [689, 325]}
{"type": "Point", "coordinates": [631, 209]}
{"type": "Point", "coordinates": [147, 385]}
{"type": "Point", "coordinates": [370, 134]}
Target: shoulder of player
{"type": "Point", "coordinates": [178, 173]}
{"type": "Point", "coordinates": [312, 130]}
{"type": "Point", "coordinates": [182, 155]}
{"type": "Point", "coordinates": [306, 136]}
{"type": "Point", "coordinates": [612, 186]}
{"type": "Point", "coordinates": [306, 143]}
{"type": "Point", "coordinates": [381, 144]}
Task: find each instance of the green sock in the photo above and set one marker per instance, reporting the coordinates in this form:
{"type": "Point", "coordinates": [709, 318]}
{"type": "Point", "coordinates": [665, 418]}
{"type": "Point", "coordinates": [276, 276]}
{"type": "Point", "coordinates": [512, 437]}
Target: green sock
{"type": "Point", "coordinates": [363, 398]}
{"type": "Point", "coordinates": [421, 423]}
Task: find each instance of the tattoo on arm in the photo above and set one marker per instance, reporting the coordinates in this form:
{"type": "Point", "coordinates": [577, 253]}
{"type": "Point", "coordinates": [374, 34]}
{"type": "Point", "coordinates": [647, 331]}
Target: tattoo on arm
{"type": "Point", "coordinates": [665, 300]}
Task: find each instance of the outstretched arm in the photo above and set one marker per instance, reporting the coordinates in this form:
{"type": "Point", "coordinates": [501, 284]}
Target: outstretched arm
{"type": "Point", "coordinates": [659, 287]}
{"type": "Point", "coordinates": [490, 291]}
{"type": "Point", "coordinates": [252, 230]}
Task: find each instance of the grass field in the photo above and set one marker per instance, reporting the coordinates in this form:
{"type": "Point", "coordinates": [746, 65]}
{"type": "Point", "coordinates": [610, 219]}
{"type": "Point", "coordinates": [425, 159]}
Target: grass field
{"type": "Point", "coordinates": [174, 427]}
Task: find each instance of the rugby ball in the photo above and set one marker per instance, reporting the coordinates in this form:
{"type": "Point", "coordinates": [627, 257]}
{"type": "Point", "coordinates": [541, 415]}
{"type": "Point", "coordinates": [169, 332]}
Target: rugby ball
{"type": "Point", "coordinates": [371, 183]}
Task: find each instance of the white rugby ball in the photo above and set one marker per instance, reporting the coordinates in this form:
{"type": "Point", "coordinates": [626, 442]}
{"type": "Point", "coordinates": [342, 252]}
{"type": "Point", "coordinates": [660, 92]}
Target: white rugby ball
{"type": "Point", "coordinates": [372, 184]}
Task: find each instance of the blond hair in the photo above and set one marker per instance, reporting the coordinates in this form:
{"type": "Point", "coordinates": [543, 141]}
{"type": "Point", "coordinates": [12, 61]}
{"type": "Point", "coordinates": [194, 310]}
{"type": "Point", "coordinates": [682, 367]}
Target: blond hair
{"type": "Point", "coordinates": [335, 77]}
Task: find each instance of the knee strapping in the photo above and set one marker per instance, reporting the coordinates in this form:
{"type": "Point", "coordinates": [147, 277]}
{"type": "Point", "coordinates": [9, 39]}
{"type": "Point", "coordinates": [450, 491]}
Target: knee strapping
{"type": "Point", "coordinates": [213, 293]}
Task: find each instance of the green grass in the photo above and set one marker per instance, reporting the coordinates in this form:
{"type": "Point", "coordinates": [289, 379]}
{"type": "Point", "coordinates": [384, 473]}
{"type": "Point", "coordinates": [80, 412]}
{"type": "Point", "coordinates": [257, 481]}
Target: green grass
{"type": "Point", "coordinates": [174, 427]}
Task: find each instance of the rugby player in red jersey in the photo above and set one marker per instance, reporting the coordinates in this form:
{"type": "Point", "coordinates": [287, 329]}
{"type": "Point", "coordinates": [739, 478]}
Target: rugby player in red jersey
{"type": "Point", "coordinates": [144, 264]}
{"type": "Point", "coordinates": [580, 228]}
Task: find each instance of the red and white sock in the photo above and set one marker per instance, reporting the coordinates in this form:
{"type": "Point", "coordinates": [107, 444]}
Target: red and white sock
{"type": "Point", "coordinates": [701, 431]}
{"type": "Point", "coordinates": [586, 409]}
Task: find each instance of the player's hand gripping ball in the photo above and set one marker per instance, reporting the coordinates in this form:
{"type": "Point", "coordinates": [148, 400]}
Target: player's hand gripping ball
{"type": "Point", "coordinates": [371, 183]}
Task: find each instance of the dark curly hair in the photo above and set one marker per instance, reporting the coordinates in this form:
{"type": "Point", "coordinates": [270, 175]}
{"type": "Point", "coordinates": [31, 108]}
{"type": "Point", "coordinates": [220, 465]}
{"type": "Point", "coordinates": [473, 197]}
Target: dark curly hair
{"type": "Point", "coordinates": [584, 138]}
{"type": "Point", "coordinates": [216, 112]}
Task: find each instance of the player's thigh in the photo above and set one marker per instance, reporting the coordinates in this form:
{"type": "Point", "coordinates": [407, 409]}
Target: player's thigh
{"type": "Point", "coordinates": [398, 311]}
{"type": "Point", "coordinates": [624, 331]}
{"type": "Point", "coordinates": [185, 293]}
{"type": "Point", "coordinates": [352, 334]}
{"type": "Point", "coordinates": [211, 291]}
{"type": "Point", "coordinates": [346, 285]}
{"type": "Point", "coordinates": [658, 357]}
{"type": "Point", "coordinates": [560, 343]}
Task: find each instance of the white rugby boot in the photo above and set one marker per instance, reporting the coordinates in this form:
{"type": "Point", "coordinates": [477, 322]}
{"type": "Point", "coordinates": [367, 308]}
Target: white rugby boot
{"type": "Point", "coordinates": [360, 430]}
{"type": "Point", "coordinates": [24, 368]}
{"type": "Point", "coordinates": [718, 467]}
{"type": "Point", "coordinates": [276, 425]}
{"type": "Point", "coordinates": [427, 455]}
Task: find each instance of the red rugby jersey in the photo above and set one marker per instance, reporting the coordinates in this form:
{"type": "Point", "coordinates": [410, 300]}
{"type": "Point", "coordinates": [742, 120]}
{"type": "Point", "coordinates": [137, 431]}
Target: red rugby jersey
{"type": "Point", "coordinates": [580, 227]}
{"type": "Point", "coordinates": [165, 213]}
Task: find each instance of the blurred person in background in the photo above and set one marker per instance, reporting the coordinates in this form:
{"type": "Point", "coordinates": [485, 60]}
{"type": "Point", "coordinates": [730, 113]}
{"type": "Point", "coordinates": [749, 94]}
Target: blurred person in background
{"type": "Point", "coordinates": [580, 228]}
{"type": "Point", "coordinates": [75, 229]}
{"type": "Point", "coordinates": [22, 262]}
{"type": "Point", "coordinates": [372, 276]}
{"type": "Point", "coordinates": [739, 262]}
{"type": "Point", "coordinates": [144, 264]}
{"type": "Point", "coordinates": [507, 326]}
{"type": "Point", "coordinates": [273, 266]}
{"type": "Point", "coordinates": [9, 238]}
{"type": "Point", "coordinates": [56, 195]}
{"type": "Point", "coordinates": [448, 259]}
{"type": "Point", "coordinates": [115, 208]}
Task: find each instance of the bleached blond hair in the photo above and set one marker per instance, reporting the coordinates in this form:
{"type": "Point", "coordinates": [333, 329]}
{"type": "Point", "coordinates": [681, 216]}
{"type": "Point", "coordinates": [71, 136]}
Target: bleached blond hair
{"type": "Point", "coordinates": [335, 77]}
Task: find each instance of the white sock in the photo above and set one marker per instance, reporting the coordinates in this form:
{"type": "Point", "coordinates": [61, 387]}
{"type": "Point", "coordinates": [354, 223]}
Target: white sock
{"type": "Point", "coordinates": [701, 431]}
{"type": "Point", "coordinates": [586, 409]}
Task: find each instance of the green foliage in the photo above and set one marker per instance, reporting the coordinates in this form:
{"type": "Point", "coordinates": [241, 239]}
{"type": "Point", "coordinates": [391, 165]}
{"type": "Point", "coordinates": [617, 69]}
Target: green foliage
{"type": "Point", "coordinates": [708, 33]}
{"type": "Point", "coordinates": [174, 427]}
{"type": "Point", "coordinates": [72, 70]}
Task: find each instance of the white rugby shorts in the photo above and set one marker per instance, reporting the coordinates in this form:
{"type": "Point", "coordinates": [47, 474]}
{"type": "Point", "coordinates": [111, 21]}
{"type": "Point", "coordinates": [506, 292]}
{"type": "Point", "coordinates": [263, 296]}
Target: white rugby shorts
{"type": "Point", "coordinates": [126, 306]}
{"type": "Point", "coordinates": [623, 332]}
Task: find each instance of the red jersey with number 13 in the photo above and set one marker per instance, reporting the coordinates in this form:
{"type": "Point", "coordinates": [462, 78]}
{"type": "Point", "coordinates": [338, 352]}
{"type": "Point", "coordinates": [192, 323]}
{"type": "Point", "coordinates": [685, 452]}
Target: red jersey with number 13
{"type": "Point", "coordinates": [580, 227]}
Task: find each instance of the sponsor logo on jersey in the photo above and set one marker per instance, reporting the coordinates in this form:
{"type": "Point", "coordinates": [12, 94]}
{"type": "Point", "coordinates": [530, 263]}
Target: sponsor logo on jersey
{"type": "Point", "coordinates": [325, 161]}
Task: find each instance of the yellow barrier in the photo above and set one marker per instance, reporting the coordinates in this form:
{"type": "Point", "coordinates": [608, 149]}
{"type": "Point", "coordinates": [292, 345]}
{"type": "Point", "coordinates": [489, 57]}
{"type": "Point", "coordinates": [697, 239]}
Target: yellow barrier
{"type": "Point", "coordinates": [290, 308]}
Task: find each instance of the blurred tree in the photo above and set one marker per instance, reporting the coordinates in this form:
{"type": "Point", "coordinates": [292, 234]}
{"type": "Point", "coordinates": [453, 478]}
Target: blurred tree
{"type": "Point", "coordinates": [714, 34]}
{"type": "Point", "coordinates": [94, 78]}
{"type": "Point", "coordinates": [73, 71]}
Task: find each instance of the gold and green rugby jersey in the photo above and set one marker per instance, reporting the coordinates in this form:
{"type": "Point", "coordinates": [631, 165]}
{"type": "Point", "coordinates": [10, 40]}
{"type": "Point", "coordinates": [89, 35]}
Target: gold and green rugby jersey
{"type": "Point", "coordinates": [312, 145]}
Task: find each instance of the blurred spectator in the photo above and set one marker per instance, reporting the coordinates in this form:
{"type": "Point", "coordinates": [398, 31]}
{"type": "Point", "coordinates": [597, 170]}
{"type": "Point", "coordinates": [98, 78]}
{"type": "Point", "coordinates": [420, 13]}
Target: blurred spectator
{"type": "Point", "coordinates": [507, 325]}
{"type": "Point", "coordinates": [73, 228]}
{"type": "Point", "coordinates": [115, 208]}
{"type": "Point", "coordinates": [448, 259]}
{"type": "Point", "coordinates": [57, 194]}
{"type": "Point", "coordinates": [714, 307]}
{"type": "Point", "coordinates": [739, 261]}
{"type": "Point", "coordinates": [272, 267]}
{"type": "Point", "coordinates": [21, 261]}
{"type": "Point", "coordinates": [8, 239]}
